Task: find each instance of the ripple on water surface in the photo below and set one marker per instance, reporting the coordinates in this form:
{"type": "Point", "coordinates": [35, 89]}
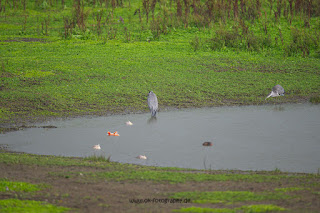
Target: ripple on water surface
{"type": "Point", "coordinates": [269, 137]}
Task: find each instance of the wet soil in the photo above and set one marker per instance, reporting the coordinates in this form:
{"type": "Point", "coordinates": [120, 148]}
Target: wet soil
{"type": "Point", "coordinates": [26, 40]}
{"type": "Point", "coordinates": [99, 195]}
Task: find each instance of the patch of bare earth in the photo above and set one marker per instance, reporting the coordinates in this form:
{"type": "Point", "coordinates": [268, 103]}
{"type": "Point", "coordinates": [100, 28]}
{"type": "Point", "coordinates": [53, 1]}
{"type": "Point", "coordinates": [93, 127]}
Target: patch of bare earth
{"type": "Point", "coordinates": [99, 195]}
{"type": "Point", "coordinates": [25, 40]}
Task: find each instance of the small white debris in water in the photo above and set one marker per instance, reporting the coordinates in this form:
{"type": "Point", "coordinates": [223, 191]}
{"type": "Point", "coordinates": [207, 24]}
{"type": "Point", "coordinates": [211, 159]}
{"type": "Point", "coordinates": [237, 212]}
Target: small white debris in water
{"type": "Point", "coordinates": [142, 157]}
{"type": "Point", "coordinates": [129, 123]}
{"type": "Point", "coordinates": [96, 147]}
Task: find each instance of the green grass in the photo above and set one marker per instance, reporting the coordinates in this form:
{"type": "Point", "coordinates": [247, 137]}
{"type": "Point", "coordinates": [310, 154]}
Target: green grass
{"type": "Point", "coordinates": [51, 76]}
{"type": "Point", "coordinates": [83, 77]}
{"type": "Point", "coordinates": [246, 209]}
{"type": "Point", "coordinates": [6, 185]}
{"type": "Point", "coordinates": [173, 177]}
{"type": "Point", "coordinates": [97, 158]}
{"type": "Point", "coordinates": [205, 210]}
{"type": "Point", "coordinates": [229, 197]}
{"type": "Point", "coordinates": [257, 26]}
{"type": "Point", "coordinates": [258, 201]}
{"type": "Point", "coordinates": [315, 99]}
{"type": "Point", "coordinates": [291, 189]}
{"type": "Point", "coordinates": [98, 162]}
{"type": "Point", "coordinates": [15, 205]}
{"type": "Point", "coordinates": [30, 159]}
{"type": "Point", "coordinates": [120, 172]}
{"type": "Point", "coordinates": [262, 208]}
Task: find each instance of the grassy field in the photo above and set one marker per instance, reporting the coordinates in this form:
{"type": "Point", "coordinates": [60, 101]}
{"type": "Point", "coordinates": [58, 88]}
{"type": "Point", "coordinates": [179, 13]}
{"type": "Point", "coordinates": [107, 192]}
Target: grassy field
{"type": "Point", "coordinates": [79, 57]}
{"type": "Point", "coordinates": [60, 184]}
{"type": "Point", "coordinates": [54, 61]}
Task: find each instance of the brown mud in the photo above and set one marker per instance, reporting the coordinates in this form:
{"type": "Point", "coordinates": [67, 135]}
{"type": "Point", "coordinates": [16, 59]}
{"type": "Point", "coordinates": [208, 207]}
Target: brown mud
{"type": "Point", "coordinates": [83, 194]}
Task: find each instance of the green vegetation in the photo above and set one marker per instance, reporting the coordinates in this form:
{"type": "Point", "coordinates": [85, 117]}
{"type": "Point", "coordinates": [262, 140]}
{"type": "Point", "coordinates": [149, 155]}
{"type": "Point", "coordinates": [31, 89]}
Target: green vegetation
{"type": "Point", "coordinates": [24, 190]}
{"type": "Point", "coordinates": [315, 100]}
{"type": "Point", "coordinates": [272, 27]}
{"type": "Point", "coordinates": [15, 205]}
{"type": "Point", "coordinates": [229, 197]}
{"type": "Point", "coordinates": [30, 159]}
{"type": "Point", "coordinates": [6, 185]}
{"type": "Point", "coordinates": [257, 191]}
{"type": "Point", "coordinates": [97, 158]}
{"type": "Point", "coordinates": [245, 209]}
{"type": "Point", "coordinates": [291, 189]}
{"type": "Point", "coordinates": [182, 177]}
{"type": "Point", "coordinates": [75, 57]}
{"type": "Point", "coordinates": [121, 172]}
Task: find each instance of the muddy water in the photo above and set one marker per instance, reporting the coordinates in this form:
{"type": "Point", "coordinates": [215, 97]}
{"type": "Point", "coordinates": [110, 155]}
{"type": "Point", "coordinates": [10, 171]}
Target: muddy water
{"type": "Point", "coordinates": [285, 137]}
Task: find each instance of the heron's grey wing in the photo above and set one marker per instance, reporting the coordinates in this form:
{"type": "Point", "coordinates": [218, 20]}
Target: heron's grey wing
{"type": "Point", "coordinates": [156, 103]}
{"type": "Point", "coordinates": [278, 89]}
{"type": "Point", "coordinates": [275, 88]}
{"type": "Point", "coordinates": [149, 102]}
{"type": "Point", "coordinates": [281, 91]}
{"type": "Point", "coordinates": [152, 101]}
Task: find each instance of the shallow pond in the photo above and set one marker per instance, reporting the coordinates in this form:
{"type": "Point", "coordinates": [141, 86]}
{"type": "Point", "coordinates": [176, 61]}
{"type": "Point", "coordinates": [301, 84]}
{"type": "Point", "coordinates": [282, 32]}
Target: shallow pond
{"type": "Point", "coordinates": [269, 137]}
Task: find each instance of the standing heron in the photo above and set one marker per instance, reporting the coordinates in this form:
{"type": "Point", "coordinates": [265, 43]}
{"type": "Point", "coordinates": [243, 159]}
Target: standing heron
{"type": "Point", "coordinates": [277, 90]}
{"type": "Point", "coordinates": [153, 103]}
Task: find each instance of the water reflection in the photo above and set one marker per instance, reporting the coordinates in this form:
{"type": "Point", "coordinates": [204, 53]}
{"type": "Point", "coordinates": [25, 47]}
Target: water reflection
{"type": "Point", "coordinates": [279, 108]}
{"type": "Point", "coordinates": [207, 164]}
{"type": "Point", "coordinates": [152, 120]}
{"type": "Point", "coordinates": [96, 153]}
{"type": "Point", "coordinates": [285, 137]}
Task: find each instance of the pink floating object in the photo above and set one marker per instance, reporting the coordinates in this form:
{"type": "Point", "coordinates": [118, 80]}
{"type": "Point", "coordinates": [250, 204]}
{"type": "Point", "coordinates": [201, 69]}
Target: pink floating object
{"type": "Point", "coordinates": [113, 134]}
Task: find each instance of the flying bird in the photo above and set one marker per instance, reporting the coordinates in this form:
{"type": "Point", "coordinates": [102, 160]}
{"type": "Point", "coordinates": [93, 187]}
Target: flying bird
{"type": "Point", "coordinates": [277, 90]}
{"type": "Point", "coordinates": [153, 103]}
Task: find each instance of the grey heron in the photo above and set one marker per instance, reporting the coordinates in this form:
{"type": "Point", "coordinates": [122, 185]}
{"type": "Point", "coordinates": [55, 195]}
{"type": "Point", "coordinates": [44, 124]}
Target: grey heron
{"type": "Point", "coordinates": [277, 90]}
{"type": "Point", "coordinates": [152, 103]}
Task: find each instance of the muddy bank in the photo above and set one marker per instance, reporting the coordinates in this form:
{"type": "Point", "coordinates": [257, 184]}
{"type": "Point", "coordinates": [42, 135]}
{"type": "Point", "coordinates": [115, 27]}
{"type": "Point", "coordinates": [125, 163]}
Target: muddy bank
{"type": "Point", "coordinates": [73, 187]}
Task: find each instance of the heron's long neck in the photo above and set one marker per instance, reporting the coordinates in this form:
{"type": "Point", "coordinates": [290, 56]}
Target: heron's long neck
{"type": "Point", "coordinates": [272, 94]}
{"type": "Point", "coordinates": [268, 96]}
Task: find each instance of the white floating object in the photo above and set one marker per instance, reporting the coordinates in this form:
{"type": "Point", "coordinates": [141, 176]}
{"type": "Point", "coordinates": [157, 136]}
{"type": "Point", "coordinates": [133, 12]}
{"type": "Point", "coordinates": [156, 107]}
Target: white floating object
{"type": "Point", "coordinates": [129, 123]}
{"type": "Point", "coordinates": [96, 147]}
{"type": "Point", "coordinates": [143, 157]}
